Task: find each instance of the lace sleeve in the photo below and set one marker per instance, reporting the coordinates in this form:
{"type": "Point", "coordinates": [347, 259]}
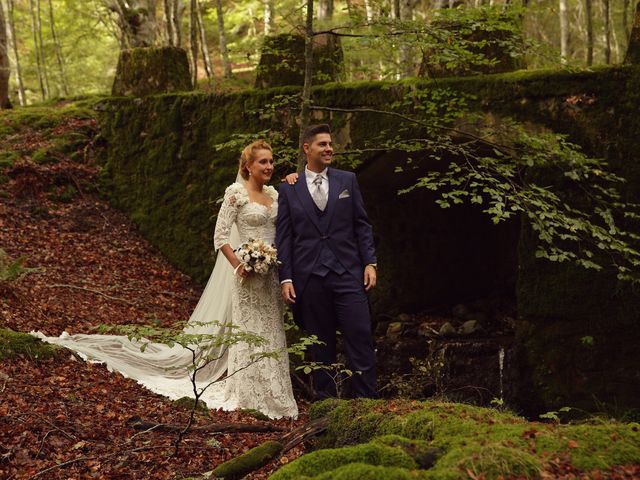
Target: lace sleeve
{"type": "Point", "coordinates": [226, 217]}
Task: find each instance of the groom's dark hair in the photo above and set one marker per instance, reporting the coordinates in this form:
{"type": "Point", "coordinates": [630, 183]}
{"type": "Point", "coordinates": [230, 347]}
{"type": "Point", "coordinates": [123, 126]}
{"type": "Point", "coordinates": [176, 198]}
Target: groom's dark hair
{"type": "Point", "coordinates": [312, 130]}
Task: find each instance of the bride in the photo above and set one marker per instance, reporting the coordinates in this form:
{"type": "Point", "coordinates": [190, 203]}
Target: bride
{"type": "Point", "coordinates": [236, 299]}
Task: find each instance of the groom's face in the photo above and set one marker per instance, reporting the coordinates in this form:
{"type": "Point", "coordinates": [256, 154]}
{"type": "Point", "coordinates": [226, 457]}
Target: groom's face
{"type": "Point", "coordinates": [319, 151]}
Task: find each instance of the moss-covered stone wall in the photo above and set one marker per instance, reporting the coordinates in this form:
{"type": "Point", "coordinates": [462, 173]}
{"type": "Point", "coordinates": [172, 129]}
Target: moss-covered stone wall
{"type": "Point", "coordinates": [162, 169]}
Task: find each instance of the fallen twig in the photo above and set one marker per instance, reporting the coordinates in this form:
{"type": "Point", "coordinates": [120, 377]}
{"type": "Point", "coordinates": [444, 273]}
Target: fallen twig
{"type": "Point", "coordinates": [97, 292]}
{"type": "Point", "coordinates": [140, 424]}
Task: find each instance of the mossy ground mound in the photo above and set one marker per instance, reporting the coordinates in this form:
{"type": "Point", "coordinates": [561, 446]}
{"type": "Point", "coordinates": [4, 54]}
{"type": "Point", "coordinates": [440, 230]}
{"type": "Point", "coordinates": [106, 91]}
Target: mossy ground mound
{"type": "Point", "coordinates": [369, 439]}
{"type": "Point", "coordinates": [15, 344]}
{"type": "Point", "coordinates": [47, 133]}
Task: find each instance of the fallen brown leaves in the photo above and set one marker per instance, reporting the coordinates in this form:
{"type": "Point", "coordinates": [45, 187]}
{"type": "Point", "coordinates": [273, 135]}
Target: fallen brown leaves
{"type": "Point", "coordinates": [64, 418]}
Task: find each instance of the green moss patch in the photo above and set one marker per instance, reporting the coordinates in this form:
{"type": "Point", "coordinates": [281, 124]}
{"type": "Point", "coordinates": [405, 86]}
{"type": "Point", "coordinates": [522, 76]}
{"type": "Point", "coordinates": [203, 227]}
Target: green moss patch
{"type": "Point", "coordinates": [187, 404]}
{"type": "Point", "coordinates": [16, 344]}
{"type": "Point", "coordinates": [248, 462]}
{"type": "Point", "coordinates": [326, 461]}
{"type": "Point", "coordinates": [441, 440]}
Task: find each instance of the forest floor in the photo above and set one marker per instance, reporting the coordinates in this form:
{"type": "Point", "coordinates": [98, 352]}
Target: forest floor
{"type": "Point", "coordinates": [61, 417]}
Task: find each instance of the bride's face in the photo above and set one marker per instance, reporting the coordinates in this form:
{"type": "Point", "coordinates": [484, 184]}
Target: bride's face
{"type": "Point", "coordinates": [261, 168]}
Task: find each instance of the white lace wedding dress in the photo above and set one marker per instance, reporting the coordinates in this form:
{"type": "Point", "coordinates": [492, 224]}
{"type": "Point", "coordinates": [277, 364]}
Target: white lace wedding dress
{"type": "Point", "coordinates": [254, 305]}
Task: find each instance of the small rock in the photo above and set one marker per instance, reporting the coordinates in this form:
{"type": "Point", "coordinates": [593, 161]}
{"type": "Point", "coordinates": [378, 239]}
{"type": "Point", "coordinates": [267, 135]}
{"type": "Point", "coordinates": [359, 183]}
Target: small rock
{"type": "Point", "coordinates": [426, 330]}
{"type": "Point", "coordinates": [381, 328]}
{"type": "Point", "coordinates": [459, 310]}
{"type": "Point", "coordinates": [394, 329]}
{"type": "Point", "coordinates": [447, 330]}
{"type": "Point", "coordinates": [470, 327]}
{"type": "Point", "coordinates": [477, 316]}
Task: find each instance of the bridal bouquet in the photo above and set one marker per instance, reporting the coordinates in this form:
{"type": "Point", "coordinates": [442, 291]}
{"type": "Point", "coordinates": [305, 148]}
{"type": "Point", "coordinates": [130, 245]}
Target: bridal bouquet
{"type": "Point", "coordinates": [257, 256]}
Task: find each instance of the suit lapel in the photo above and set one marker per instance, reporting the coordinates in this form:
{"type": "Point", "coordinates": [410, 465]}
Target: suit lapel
{"type": "Point", "coordinates": [300, 187]}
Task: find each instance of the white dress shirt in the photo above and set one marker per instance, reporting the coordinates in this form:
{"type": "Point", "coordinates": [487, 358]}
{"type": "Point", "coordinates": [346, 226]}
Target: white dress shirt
{"type": "Point", "coordinates": [311, 176]}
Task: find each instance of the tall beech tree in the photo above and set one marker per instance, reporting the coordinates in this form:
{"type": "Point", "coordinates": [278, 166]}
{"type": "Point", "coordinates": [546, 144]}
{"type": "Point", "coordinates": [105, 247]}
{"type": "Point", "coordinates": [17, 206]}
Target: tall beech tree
{"type": "Point", "coordinates": [206, 59]}
{"type": "Point", "coordinates": [11, 33]}
{"type": "Point", "coordinates": [269, 16]}
{"type": "Point", "coordinates": [588, 11]}
{"type": "Point", "coordinates": [59, 57]}
{"type": "Point", "coordinates": [224, 51]}
{"type": "Point", "coordinates": [193, 40]}
{"type": "Point", "coordinates": [564, 31]}
{"type": "Point", "coordinates": [325, 9]}
{"type": "Point", "coordinates": [606, 30]}
{"type": "Point", "coordinates": [633, 50]}
{"type": "Point", "coordinates": [37, 49]}
{"type": "Point", "coordinates": [5, 69]}
{"type": "Point", "coordinates": [137, 21]}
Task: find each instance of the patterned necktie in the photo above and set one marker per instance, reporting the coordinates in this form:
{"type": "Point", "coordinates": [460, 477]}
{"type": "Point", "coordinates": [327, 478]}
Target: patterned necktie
{"type": "Point", "coordinates": [317, 194]}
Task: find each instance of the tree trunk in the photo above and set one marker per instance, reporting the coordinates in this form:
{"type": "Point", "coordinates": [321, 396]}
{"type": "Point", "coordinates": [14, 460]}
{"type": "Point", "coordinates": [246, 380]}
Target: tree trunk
{"type": "Point", "coordinates": [43, 57]}
{"type": "Point", "coordinates": [305, 111]}
{"type": "Point", "coordinates": [269, 14]}
{"type": "Point", "coordinates": [325, 9]}
{"type": "Point", "coordinates": [564, 32]}
{"type": "Point", "coordinates": [588, 7]}
{"type": "Point", "coordinates": [193, 41]}
{"type": "Point", "coordinates": [178, 11]}
{"type": "Point", "coordinates": [63, 75]}
{"type": "Point", "coordinates": [625, 19]}
{"type": "Point", "coordinates": [606, 33]}
{"type": "Point", "coordinates": [208, 68]}
{"type": "Point", "coordinates": [168, 21]}
{"type": "Point", "coordinates": [5, 68]}
{"type": "Point", "coordinates": [349, 7]}
{"type": "Point", "coordinates": [138, 21]}
{"type": "Point", "coordinates": [368, 7]}
{"type": "Point", "coordinates": [395, 9]}
{"type": "Point", "coordinates": [226, 63]}
{"type": "Point", "coordinates": [34, 31]}
{"type": "Point", "coordinates": [406, 54]}
{"type": "Point", "coordinates": [12, 36]}
{"type": "Point", "coordinates": [632, 56]}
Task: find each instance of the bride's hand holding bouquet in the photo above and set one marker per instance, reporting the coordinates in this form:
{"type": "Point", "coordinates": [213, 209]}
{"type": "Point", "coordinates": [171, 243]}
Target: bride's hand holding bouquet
{"type": "Point", "coordinates": [256, 256]}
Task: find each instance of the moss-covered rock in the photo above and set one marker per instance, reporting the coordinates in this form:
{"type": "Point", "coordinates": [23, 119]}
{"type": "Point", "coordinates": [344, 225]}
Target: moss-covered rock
{"type": "Point", "coordinates": [257, 414]}
{"type": "Point", "coordinates": [16, 344]}
{"type": "Point", "coordinates": [186, 403]}
{"type": "Point", "coordinates": [282, 60]}
{"type": "Point", "coordinates": [151, 70]}
{"type": "Point", "coordinates": [495, 49]}
{"type": "Point", "coordinates": [451, 441]}
{"type": "Point", "coordinates": [328, 460]}
{"type": "Point", "coordinates": [248, 462]}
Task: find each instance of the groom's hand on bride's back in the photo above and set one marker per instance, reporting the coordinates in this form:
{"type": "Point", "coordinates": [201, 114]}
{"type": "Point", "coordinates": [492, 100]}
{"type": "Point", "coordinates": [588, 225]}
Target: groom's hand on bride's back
{"type": "Point", "coordinates": [288, 293]}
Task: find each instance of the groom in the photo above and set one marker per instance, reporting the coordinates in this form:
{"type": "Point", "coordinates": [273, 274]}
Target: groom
{"type": "Point", "coordinates": [325, 244]}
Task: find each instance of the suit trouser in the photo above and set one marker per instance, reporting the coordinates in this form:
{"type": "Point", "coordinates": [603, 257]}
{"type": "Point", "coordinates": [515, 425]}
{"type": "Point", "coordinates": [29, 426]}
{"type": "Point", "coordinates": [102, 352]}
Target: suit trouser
{"type": "Point", "coordinates": [334, 302]}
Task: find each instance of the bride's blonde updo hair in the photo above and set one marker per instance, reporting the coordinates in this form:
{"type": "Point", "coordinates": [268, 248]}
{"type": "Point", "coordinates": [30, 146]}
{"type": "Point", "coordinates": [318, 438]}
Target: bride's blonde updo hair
{"type": "Point", "coordinates": [249, 155]}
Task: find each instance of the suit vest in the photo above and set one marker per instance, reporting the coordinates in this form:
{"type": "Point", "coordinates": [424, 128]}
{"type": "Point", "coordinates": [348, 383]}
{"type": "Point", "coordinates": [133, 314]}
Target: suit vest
{"type": "Point", "coordinates": [326, 261]}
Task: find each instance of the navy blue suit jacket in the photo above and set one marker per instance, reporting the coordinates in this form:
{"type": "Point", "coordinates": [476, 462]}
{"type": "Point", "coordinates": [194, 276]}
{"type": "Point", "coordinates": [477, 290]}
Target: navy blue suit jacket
{"type": "Point", "coordinates": [344, 227]}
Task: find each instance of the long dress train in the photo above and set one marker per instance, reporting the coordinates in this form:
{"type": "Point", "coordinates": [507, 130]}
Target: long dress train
{"type": "Point", "coordinates": [252, 305]}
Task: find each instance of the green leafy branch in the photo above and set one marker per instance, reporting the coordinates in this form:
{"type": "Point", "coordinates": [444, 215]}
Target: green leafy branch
{"type": "Point", "coordinates": [205, 348]}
